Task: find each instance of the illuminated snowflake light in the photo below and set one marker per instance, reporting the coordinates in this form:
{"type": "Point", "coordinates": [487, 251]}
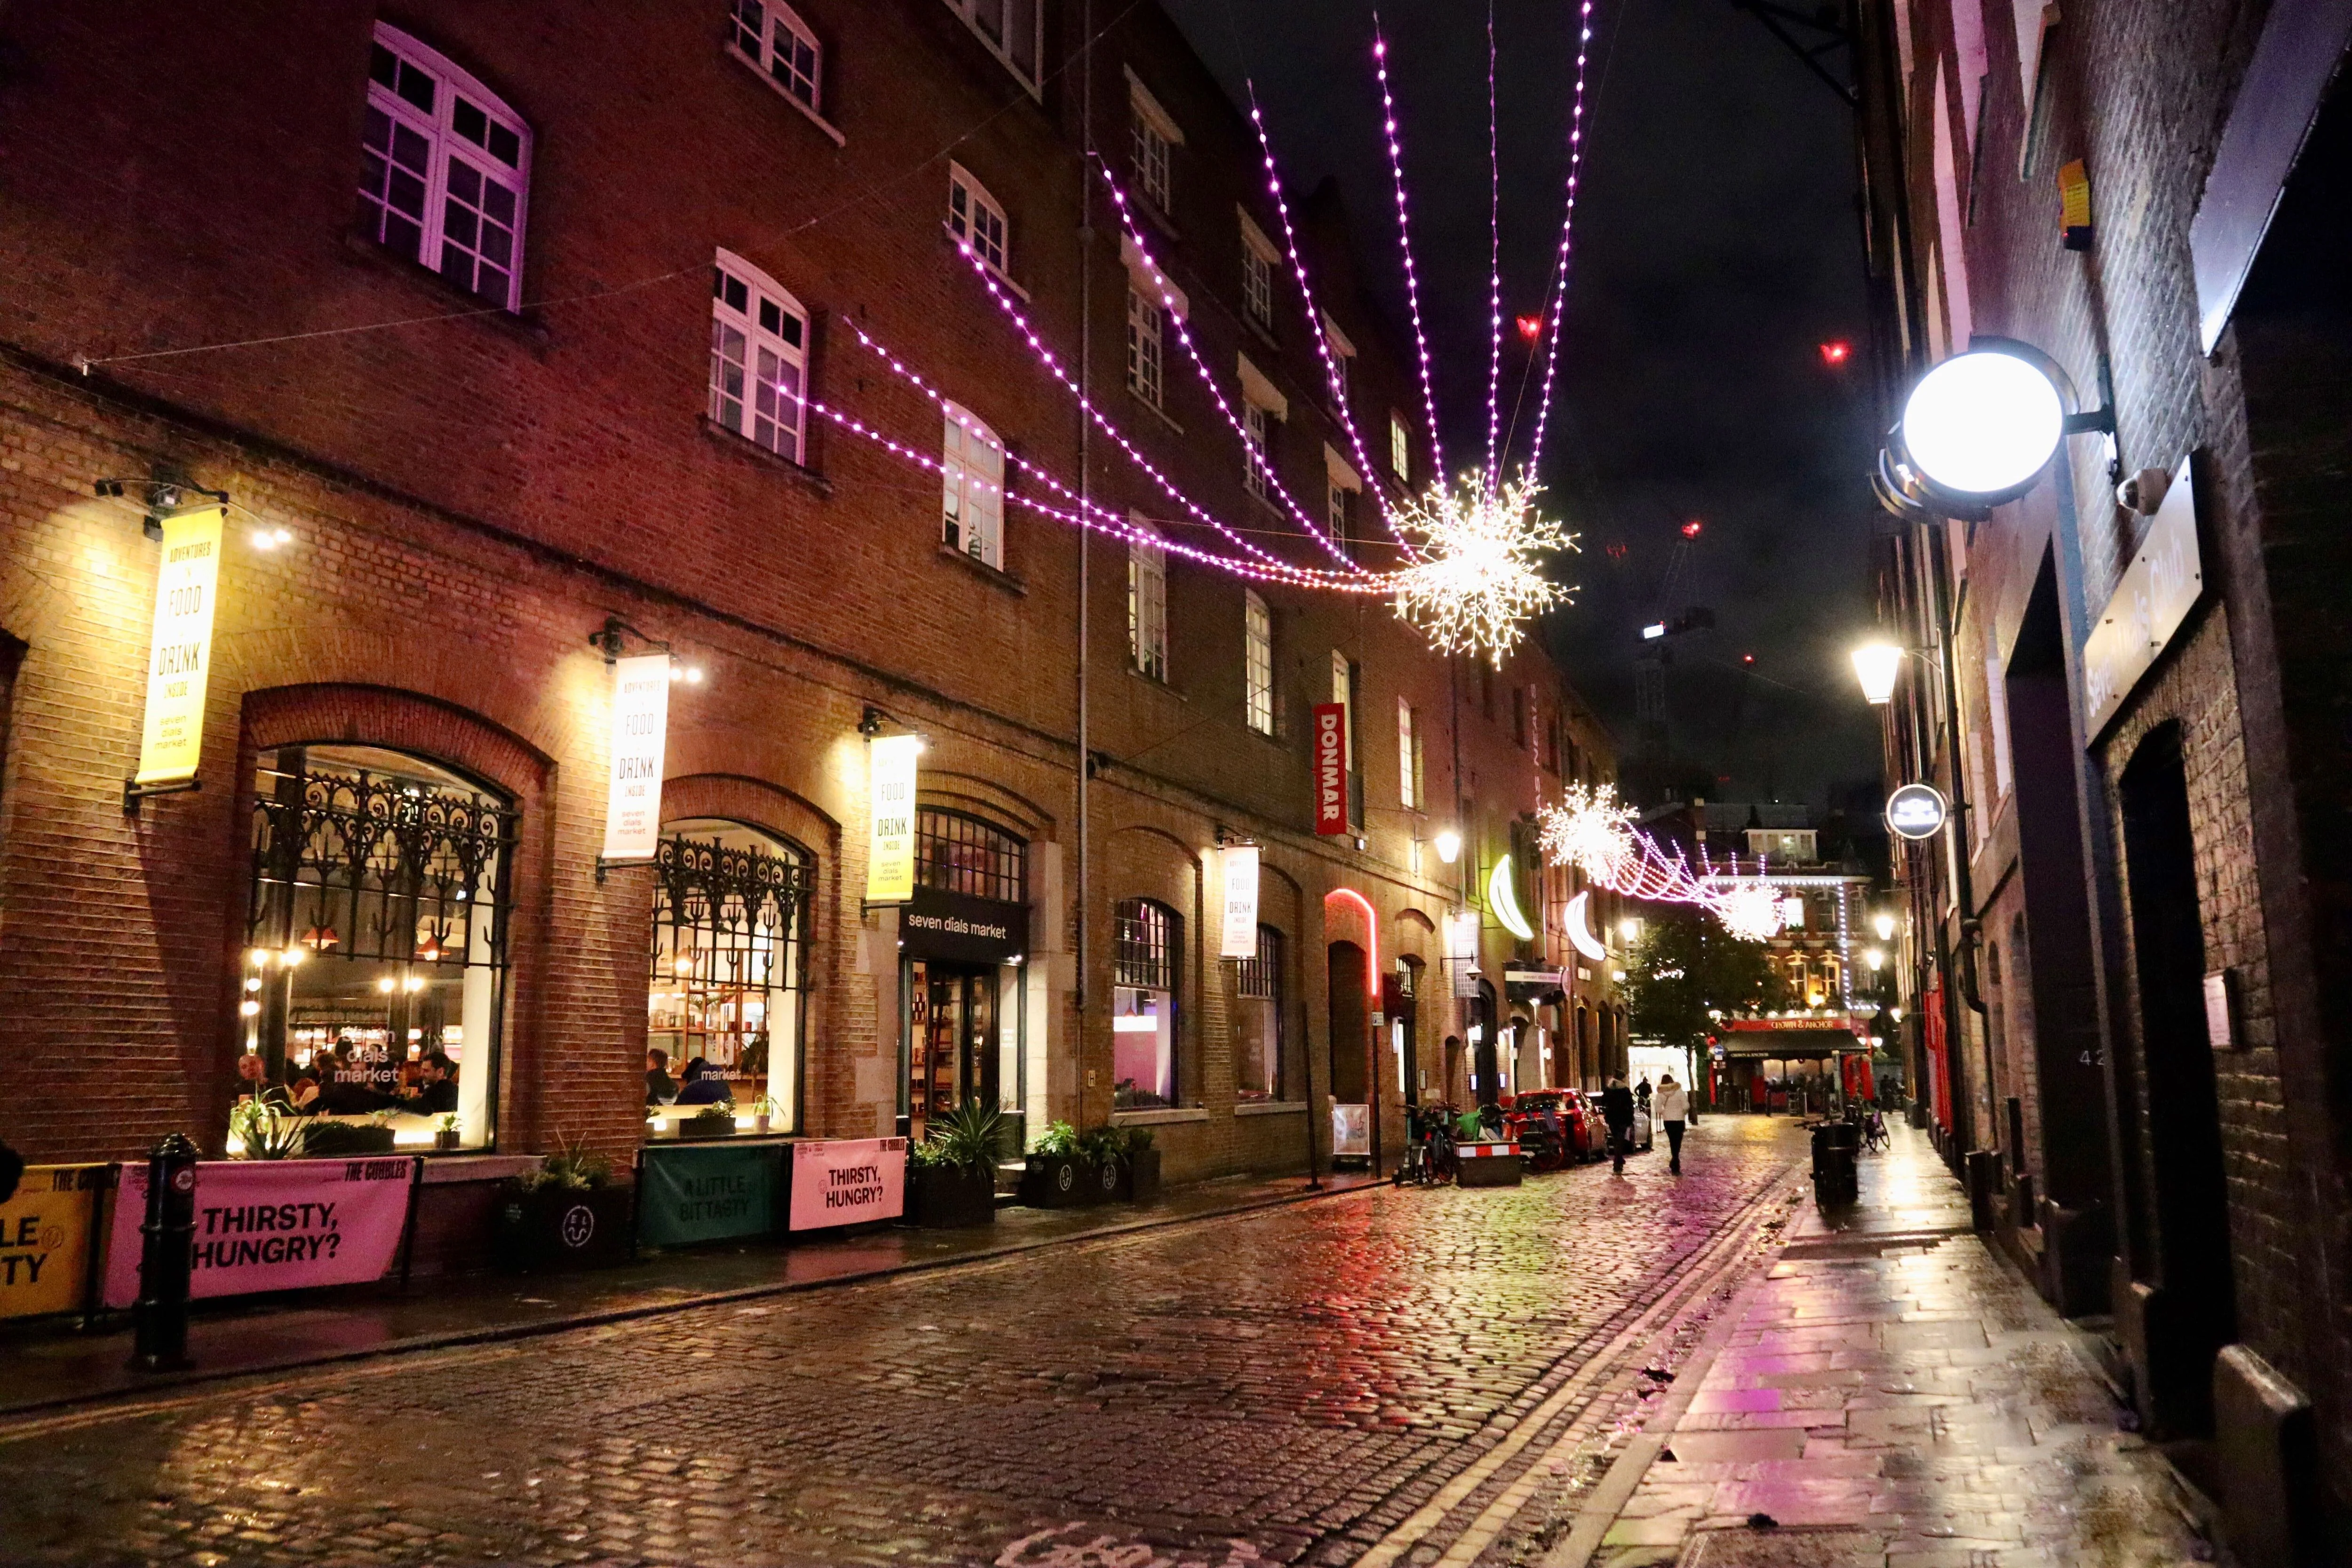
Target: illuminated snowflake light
{"type": "Point", "coordinates": [1592, 832]}
{"type": "Point", "coordinates": [1750, 911]}
{"type": "Point", "coordinates": [1478, 579]}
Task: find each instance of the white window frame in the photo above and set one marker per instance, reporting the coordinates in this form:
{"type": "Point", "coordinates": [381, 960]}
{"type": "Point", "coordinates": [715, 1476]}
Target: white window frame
{"type": "Point", "coordinates": [972, 473]}
{"type": "Point", "coordinates": [1003, 44]}
{"type": "Point", "coordinates": [1400, 448]}
{"type": "Point", "coordinates": [1343, 355]}
{"type": "Point", "coordinates": [446, 144]}
{"type": "Point", "coordinates": [1153, 137]}
{"type": "Point", "coordinates": [1341, 482]}
{"type": "Point", "coordinates": [1257, 431]}
{"type": "Point", "coordinates": [1146, 345]}
{"type": "Point", "coordinates": [970, 222]}
{"type": "Point", "coordinates": [1259, 258]}
{"type": "Point", "coordinates": [764, 19]}
{"type": "Point", "coordinates": [755, 338]}
{"type": "Point", "coordinates": [1147, 602]}
{"type": "Point", "coordinates": [1257, 662]}
{"type": "Point", "coordinates": [1408, 757]}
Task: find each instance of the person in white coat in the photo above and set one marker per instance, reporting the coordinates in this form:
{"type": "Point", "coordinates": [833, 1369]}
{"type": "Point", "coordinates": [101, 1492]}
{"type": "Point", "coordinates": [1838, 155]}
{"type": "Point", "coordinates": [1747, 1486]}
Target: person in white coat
{"type": "Point", "coordinates": [1673, 1106]}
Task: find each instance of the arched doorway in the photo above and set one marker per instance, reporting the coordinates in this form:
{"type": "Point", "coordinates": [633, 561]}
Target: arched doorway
{"type": "Point", "coordinates": [2190, 1314]}
{"type": "Point", "coordinates": [1350, 1021]}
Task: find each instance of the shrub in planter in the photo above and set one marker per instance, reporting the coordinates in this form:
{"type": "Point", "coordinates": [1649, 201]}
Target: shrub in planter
{"type": "Point", "coordinates": [1105, 1148]}
{"type": "Point", "coordinates": [719, 1122]}
{"type": "Point", "coordinates": [446, 1133]}
{"type": "Point", "coordinates": [343, 1139]}
{"type": "Point", "coordinates": [1139, 1179]}
{"type": "Point", "coordinates": [568, 1214]}
{"type": "Point", "coordinates": [951, 1175]}
{"type": "Point", "coordinates": [1059, 1175]}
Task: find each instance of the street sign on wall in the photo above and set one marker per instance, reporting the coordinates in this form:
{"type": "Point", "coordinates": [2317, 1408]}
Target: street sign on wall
{"type": "Point", "coordinates": [890, 807]}
{"type": "Point", "coordinates": [180, 652]}
{"type": "Point", "coordinates": [640, 734]}
{"type": "Point", "coordinates": [2153, 596]}
{"type": "Point", "coordinates": [1330, 767]}
{"type": "Point", "coordinates": [1917, 811]}
{"type": "Point", "coordinates": [1238, 865]}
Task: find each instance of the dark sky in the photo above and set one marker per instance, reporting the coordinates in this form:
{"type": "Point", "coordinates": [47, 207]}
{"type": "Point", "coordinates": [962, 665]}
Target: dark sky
{"type": "Point", "coordinates": [1717, 248]}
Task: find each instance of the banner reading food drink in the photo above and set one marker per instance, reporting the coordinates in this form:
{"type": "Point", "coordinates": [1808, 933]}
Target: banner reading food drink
{"type": "Point", "coordinates": [640, 734]}
{"type": "Point", "coordinates": [273, 1224]}
{"type": "Point", "coordinates": [179, 650]}
{"type": "Point", "coordinates": [891, 809]}
{"type": "Point", "coordinates": [45, 1240]}
{"type": "Point", "coordinates": [1330, 767]}
{"type": "Point", "coordinates": [1239, 864]}
{"type": "Point", "coordinates": [847, 1181]}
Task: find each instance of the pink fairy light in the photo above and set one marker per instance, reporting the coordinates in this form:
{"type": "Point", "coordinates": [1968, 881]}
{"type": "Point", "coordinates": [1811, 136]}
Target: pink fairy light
{"type": "Point", "coordinates": [1493, 475]}
{"type": "Point", "coordinates": [1590, 831]}
{"type": "Point", "coordinates": [1405, 245]}
{"type": "Point", "coordinates": [1322, 338]}
{"type": "Point", "coordinates": [1567, 229]}
{"type": "Point", "coordinates": [1216, 393]}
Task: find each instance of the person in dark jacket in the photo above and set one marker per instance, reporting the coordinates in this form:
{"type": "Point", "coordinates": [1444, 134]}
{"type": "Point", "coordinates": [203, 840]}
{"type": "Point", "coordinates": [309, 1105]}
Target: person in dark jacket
{"type": "Point", "coordinates": [1617, 1111]}
{"type": "Point", "coordinates": [436, 1077]}
{"type": "Point", "coordinates": [703, 1085]}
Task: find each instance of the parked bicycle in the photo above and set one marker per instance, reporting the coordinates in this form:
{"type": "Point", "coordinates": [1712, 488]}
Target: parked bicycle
{"type": "Point", "coordinates": [1430, 1160]}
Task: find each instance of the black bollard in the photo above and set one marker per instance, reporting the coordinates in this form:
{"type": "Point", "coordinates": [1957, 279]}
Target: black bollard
{"type": "Point", "coordinates": [160, 1317]}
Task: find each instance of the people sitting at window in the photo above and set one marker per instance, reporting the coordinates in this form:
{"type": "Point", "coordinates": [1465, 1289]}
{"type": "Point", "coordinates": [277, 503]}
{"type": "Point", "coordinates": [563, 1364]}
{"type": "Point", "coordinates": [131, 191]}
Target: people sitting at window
{"type": "Point", "coordinates": [436, 1077]}
{"type": "Point", "coordinates": [660, 1088]}
{"type": "Point", "coordinates": [704, 1085]}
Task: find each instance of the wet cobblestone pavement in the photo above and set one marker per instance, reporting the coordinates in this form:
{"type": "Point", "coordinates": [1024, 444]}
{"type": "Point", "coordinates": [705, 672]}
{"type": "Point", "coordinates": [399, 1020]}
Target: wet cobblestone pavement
{"type": "Point", "coordinates": [1388, 1377]}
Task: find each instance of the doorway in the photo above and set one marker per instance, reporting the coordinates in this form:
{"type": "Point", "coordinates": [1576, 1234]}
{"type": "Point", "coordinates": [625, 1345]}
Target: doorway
{"type": "Point", "coordinates": [1350, 1018]}
{"type": "Point", "coordinates": [2191, 1314]}
{"type": "Point", "coordinates": [951, 1041]}
{"type": "Point", "coordinates": [1485, 1068]}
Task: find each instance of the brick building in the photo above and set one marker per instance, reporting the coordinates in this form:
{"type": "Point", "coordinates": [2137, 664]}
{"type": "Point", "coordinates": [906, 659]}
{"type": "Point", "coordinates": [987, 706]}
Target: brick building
{"type": "Point", "coordinates": [520, 344]}
{"type": "Point", "coordinates": [2127, 681]}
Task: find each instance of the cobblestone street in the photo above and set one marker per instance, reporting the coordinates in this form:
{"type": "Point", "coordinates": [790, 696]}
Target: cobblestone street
{"type": "Point", "coordinates": [1385, 1377]}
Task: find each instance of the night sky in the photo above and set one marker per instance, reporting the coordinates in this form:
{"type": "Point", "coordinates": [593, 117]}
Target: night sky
{"type": "Point", "coordinates": [1717, 249]}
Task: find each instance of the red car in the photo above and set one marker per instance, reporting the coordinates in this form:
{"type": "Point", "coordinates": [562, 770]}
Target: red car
{"type": "Point", "coordinates": [1593, 1131]}
{"type": "Point", "coordinates": [1579, 1125]}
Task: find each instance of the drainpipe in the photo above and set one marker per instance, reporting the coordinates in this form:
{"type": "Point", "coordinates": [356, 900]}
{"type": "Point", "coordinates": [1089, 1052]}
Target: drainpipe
{"type": "Point", "coordinates": [1085, 495]}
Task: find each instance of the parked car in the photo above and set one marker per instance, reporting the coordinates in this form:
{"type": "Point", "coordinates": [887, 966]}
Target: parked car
{"type": "Point", "coordinates": [1545, 1131]}
{"type": "Point", "coordinates": [1590, 1138]}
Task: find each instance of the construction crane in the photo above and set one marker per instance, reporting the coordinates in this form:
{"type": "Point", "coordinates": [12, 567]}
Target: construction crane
{"type": "Point", "coordinates": [1658, 632]}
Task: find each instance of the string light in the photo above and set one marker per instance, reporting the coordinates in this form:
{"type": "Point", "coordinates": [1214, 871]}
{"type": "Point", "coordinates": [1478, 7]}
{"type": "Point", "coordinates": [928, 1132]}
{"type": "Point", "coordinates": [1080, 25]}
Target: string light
{"type": "Point", "coordinates": [1404, 245]}
{"type": "Point", "coordinates": [1494, 270]}
{"type": "Point", "coordinates": [1476, 581]}
{"type": "Point", "coordinates": [1592, 832]}
{"type": "Point", "coordinates": [1567, 231]}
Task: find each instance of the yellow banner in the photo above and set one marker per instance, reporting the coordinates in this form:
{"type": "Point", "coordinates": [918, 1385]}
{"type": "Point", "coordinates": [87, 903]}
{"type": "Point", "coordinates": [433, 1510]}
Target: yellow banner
{"type": "Point", "coordinates": [45, 1240]}
{"type": "Point", "coordinates": [890, 805]}
{"type": "Point", "coordinates": [180, 653]}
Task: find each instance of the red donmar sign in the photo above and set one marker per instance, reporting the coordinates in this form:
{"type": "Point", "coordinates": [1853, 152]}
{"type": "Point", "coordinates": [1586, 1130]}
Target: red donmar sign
{"type": "Point", "coordinates": [1330, 767]}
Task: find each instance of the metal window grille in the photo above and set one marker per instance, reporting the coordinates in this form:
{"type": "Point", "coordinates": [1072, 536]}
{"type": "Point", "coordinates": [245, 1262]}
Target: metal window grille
{"type": "Point", "coordinates": [1408, 977]}
{"type": "Point", "coordinates": [724, 929]}
{"type": "Point", "coordinates": [1261, 977]}
{"type": "Point", "coordinates": [1143, 947]}
{"type": "Point", "coordinates": [960, 854]}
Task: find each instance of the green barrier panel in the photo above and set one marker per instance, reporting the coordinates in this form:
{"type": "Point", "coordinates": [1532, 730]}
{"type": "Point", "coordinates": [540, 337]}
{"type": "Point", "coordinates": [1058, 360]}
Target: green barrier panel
{"type": "Point", "coordinates": [709, 1192]}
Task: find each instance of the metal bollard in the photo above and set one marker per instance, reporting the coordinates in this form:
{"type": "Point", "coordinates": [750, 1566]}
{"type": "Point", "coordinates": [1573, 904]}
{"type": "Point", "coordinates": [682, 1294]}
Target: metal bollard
{"type": "Point", "coordinates": [160, 1317]}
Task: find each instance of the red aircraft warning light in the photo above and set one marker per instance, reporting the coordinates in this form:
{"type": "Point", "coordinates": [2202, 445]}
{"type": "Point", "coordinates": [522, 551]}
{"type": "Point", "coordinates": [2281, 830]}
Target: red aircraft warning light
{"type": "Point", "coordinates": [1530, 327]}
{"type": "Point", "coordinates": [1691, 528]}
{"type": "Point", "coordinates": [1836, 353]}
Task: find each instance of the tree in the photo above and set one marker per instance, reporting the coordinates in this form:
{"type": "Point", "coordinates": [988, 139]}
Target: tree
{"type": "Point", "coordinates": [1686, 967]}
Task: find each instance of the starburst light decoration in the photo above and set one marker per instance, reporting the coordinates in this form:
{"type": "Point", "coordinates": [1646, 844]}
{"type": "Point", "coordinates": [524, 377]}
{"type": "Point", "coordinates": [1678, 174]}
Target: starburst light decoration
{"type": "Point", "coordinates": [1477, 579]}
{"type": "Point", "coordinates": [1592, 830]}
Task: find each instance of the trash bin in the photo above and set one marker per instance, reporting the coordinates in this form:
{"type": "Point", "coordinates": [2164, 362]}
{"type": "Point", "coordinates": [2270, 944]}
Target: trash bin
{"type": "Point", "coordinates": [1836, 1145]}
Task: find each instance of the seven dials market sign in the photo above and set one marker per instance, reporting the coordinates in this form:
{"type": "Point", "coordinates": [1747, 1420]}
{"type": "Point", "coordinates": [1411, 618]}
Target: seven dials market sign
{"type": "Point", "coordinates": [180, 651]}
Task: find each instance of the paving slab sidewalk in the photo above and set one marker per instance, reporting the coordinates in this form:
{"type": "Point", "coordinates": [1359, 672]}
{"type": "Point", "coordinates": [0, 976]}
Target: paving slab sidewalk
{"type": "Point", "coordinates": [1891, 1393]}
{"type": "Point", "coordinates": [53, 1364]}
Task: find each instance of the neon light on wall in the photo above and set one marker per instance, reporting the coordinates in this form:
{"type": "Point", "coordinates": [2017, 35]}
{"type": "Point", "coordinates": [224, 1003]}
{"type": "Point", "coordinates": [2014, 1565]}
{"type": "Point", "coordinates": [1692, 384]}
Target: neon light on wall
{"type": "Point", "coordinates": [1504, 899]}
{"type": "Point", "coordinates": [1371, 935]}
{"type": "Point", "coordinates": [1579, 928]}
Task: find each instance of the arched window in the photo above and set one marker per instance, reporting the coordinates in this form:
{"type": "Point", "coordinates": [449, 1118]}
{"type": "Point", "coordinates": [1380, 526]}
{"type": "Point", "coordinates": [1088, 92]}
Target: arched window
{"type": "Point", "coordinates": [375, 944]}
{"type": "Point", "coordinates": [729, 913]}
{"type": "Point", "coordinates": [759, 358]}
{"type": "Point", "coordinates": [958, 854]}
{"type": "Point", "coordinates": [976, 218]}
{"type": "Point", "coordinates": [1144, 948]}
{"type": "Point", "coordinates": [1258, 1019]}
{"type": "Point", "coordinates": [769, 34]}
{"type": "Point", "coordinates": [446, 171]}
{"type": "Point", "coordinates": [971, 466]}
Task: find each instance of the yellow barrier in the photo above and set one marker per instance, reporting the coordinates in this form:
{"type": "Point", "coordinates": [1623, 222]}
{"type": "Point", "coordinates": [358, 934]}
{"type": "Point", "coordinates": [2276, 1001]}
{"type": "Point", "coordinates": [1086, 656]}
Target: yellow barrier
{"type": "Point", "coordinates": [45, 1240]}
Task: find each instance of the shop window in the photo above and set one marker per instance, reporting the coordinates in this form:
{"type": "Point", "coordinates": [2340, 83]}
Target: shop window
{"type": "Point", "coordinates": [960, 854]}
{"type": "Point", "coordinates": [1257, 650]}
{"type": "Point", "coordinates": [771, 38]}
{"type": "Point", "coordinates": [975, 218]}
{"type": "Point", "coordinates": [972, 465]}
{"type": "Point", "coordinates": [759, 358]}
{"type": "Point", "coordinates": [376, 940]}
{"type": "Point", "coordinates": [1014, 31]}
{"type": "Point", "coordinates": [1143, 1005]}
{"type": "Point", "coordinates": [730, 912]}
{"type": "Point", "coordinates": [1147, 607]}
{"type": "Point", "coordinates": [444, 170]}
{"type": "Point", "coordinates": [1258, 1019]}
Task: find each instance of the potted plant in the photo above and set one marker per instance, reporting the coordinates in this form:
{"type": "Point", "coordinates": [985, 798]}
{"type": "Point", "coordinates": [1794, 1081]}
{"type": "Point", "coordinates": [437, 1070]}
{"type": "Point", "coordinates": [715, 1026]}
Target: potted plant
{"type": "Point", "coordinates": [1056, 1175]}
{"type": "Point", "coordinates": [444, 1131]}
{"type": "Point", "coordinates": [567, 1214]}
{"type": "Point", "coordinates": [764, 1111]}
{"type": "Point", "coordinates": [952, 1174]}
{"type": "Point", "coordinates": [327, 1140]}
{"type": "Point", "coordinates": [710, 1121]}
{"type": "Point", "coordinates": [266, 1131]}
{"type": "Point", "coordinates": [1139, 1179]}
{"type": "Point", "coordinates": [1105, 1150]}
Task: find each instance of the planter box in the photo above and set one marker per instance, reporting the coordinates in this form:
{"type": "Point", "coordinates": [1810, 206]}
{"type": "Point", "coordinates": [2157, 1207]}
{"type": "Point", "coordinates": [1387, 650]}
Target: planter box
{"type": "Point", "coordinates": [550, 1228]}
{"type": "Point", "coordinates": [1138, 1177]}
{"type": "Point", "coordinates": [343, 1139]}
{"type": "Point", "coordinates": [708, 1125]}
{"type": "Point", "coordinates": [1058, 1181]}
{"type": "Point", "coordinates": [943, 1197]}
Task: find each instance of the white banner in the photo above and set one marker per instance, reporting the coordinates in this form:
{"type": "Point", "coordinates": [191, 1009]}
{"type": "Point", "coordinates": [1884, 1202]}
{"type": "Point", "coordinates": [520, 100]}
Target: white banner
{"type": "Point", "coordinates": [1240, 868]}
{"type": "Point", "coordinates": [180, 652]}
{"type": "Point", "coordinates": [640, 730]}
{"type": "Point", "coordinates": [891, 809]}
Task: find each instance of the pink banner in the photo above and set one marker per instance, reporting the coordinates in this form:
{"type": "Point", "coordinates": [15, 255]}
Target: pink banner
{"type": "Point", "coordinates": [273, 1224]}
{"type": "Point", "coordinates": [848, 1182]}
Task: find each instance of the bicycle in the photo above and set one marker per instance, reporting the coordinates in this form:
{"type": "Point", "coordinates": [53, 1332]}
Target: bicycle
{"type": "Point", "coordinates": [1430, 1160]}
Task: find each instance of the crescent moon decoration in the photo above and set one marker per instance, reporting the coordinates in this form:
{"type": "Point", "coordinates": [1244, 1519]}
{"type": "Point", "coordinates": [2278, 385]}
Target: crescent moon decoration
{"type": "Point", "coordinates": [1579, 928]}
{"type": "Point", "coordinates": [1504, 899]}
{"type": "Point", "coordinates": [1590, 831]}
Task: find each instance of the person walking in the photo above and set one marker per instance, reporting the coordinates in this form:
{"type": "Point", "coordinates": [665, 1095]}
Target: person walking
{"type": "Point", "coordinates": [1673, 1107]}
{"type": "Point", "coordinates": [1617, 1111]}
